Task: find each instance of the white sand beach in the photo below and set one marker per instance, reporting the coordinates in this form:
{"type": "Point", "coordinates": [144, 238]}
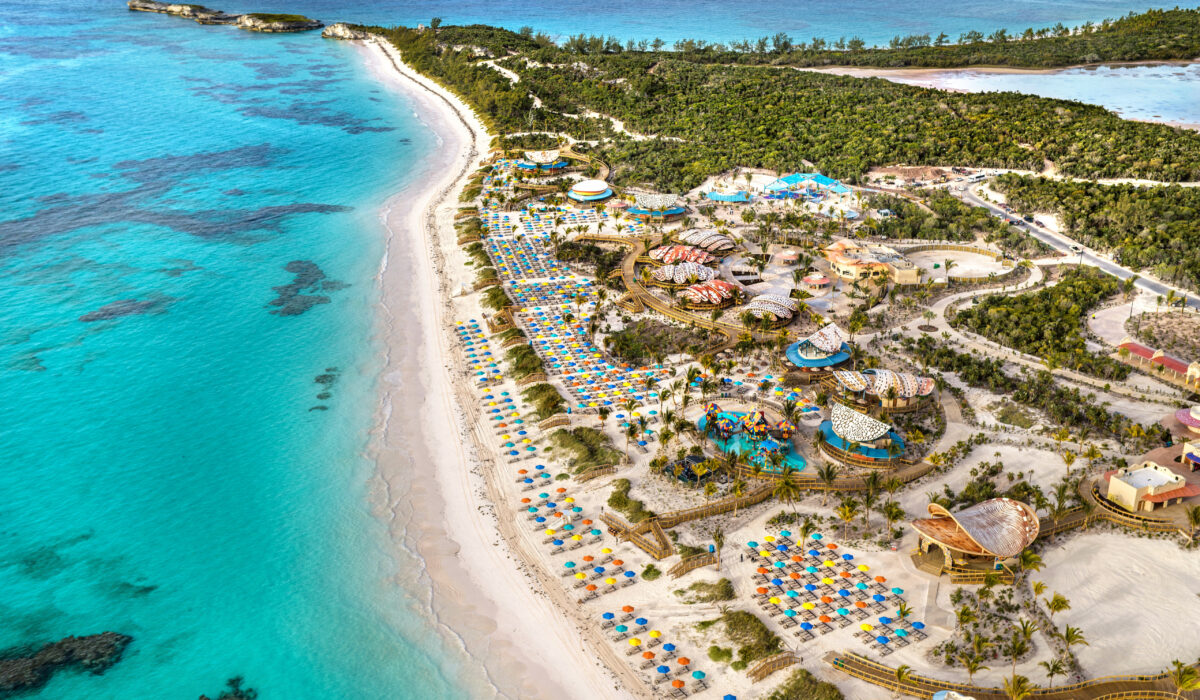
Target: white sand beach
{"type": "Point", "coordinates": [483, 592]}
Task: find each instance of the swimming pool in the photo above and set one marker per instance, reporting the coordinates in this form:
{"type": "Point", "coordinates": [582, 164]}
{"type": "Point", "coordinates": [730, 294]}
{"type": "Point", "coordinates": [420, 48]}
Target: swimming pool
{"type": "Point", "coordinates": [740, 442]}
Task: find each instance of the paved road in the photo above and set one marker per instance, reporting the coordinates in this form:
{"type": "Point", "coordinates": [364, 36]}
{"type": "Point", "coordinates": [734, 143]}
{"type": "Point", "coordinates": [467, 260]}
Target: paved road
{"type": "Point", "coordinates": [1064, 244]}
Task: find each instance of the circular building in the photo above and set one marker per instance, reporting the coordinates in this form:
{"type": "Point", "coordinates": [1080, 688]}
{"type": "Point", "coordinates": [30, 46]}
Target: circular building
{"type": "Point", "coordinates": [543, 161]}
{"type": "Point", "coordinates": [656, 208]}
{"type": "Point", "coordinates": [857, 439]}
{"type": "Point", "coordinates": [978, 537]}
{"type": "Point", "coordinates": [1189, 418]}
{"type": "Point", "coordinates": [821, 351]}
{"type": "Point", "coordinates": [587, 192]}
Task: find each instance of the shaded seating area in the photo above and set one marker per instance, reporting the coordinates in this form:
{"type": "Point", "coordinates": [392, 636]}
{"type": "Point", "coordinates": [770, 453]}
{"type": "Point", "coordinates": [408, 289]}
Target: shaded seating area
{"type": "Point", "coordinates": [856, 438]}
{"type": "Point", "coordinates": [884, 389]}
{"type": "Point", "coordinates": [981, 536]}
{"type": "Point", "coordinates": [821, 351]}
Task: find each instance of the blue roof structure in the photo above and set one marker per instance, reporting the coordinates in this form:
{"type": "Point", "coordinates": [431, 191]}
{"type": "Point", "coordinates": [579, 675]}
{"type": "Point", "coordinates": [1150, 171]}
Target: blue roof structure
{"type": "Point", "coordinates": [638, 211]}
{"type": "Point", "coordinates": [788, 182]}
{"type": "Point", "coordinates": [872, 452]}
{"type": "Point", "coordinates": [739, 196]}
{"type": "Point", "coordinates": [590, 197]}
{"type": "Point", "coordinates": [560, 163]}
{"type": "Point", "coordinates": [793, 356]}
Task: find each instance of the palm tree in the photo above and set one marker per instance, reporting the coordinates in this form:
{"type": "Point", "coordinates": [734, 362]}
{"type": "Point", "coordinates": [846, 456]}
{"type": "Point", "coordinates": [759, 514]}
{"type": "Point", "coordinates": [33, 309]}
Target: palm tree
{"type": "Point", "coordinates": [1016, 648]}
{"type": "Point", "coordinates": [1193, 518]}
{"type": "Point", "coordinates": [718, 538]}
{"type": "Point", "coordinates": [786, 491]}
{"type": "Point", "coordinates": [892, 512]}
{"type": "Point", "coordinates": [1072, 636]}
{"type": "Point", "coordinates": [903, 610]}
{"type": "Point", "coordinates": [1068, 458]}
{"type": "Point", "coordinates": [1018, 687]}
{"type": "Point", "coordinates": [972, 663]}
{"type": "Point", "coordinates": [827, 473]}
{"type": "Point", "coordinates": [904, 674]}
{"type": "Point", "coordinates": [1053, 668]}
{"type": "Point", "coordinates": [1028, 560]}
{"type": "Point", "coordinates": [964, 616]}
{"type": "Point", "coordinates": [1185, 677]}
{"type": "Point", "coordinates": [847, 512]}
{"type": "Point", "coordinates": [1057, 603]}
{"type": "Point", "coordinates": [1039, 587]}
{"type": "Point", "coordinates": [710, 490]}
{"type": "Point", "coordinates": [1025, 628]}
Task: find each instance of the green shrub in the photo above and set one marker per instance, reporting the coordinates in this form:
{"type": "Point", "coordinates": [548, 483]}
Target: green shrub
{"type": "Point", "coordinates": [634, 510]}
{"type": "Point", "coordinates": [587, 446]}
{"type": "Point", "coordinates": [720, 655]}
{"type": "Point", "coordinates": [651, 572]}
{"type": "Point", "coordinates": [544, 397]}
{"type": "Point", "coordinates": [708, 592]}
{"type": "Point", "coordinates": [803, 685]}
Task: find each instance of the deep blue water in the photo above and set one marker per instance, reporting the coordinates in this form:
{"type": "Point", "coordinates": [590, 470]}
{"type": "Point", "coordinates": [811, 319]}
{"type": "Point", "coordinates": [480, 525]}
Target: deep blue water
{"type": "Point", "coordinates": [167, 472]}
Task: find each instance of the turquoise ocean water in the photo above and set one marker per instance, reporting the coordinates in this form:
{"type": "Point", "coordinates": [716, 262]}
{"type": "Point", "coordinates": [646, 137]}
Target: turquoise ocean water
{"type": "Point", "coordinates": [169, 470]}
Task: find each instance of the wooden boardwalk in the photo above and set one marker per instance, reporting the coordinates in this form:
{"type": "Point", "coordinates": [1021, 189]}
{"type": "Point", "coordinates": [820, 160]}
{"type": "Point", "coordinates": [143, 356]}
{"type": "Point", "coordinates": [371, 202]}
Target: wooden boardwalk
{"type": "Point", "coordinates": [1104, 688]}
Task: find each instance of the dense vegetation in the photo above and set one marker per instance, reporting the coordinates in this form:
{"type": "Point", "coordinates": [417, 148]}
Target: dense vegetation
{"type": "Point", "coordinates": [1143, 227]}
{"type": "Point", "coordinates": [708, 592]}
{"type": "Point", "coordinates": [544, 397]}
{"type": "Point", "coordinates": [803, 685]}
{"type": "Point", "coordinates": [951, 220]}
{"type": "Point", "coordinates": [268, 17]}
{"type": "Point", "coordinates": [754, 640]}
{"type": "Point", "coordinates": [634, 510]}
{"type": "Point", "coordinates": [602, 260]}
{"type": "Point", "coordinates": [653, 340]}
{"type": "Point", "coordinates": [1038, 390]}
{"type": "Point", "coordinates": [722, 116]}
{"type": "Point", "coordinates": [1049, 323]}
{"type": "Point", "coordinates": [587, 447]}
{"type": "Point", "coordinates": [523, 361]}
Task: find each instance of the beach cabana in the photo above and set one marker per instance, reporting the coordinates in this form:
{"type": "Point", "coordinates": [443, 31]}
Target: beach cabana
{"type": "Point", "coordinates": [820, 351]}
{"type": "Point", "coordinates": [884, 389]}
{"type": "Point", "coordinates": [981, 536]}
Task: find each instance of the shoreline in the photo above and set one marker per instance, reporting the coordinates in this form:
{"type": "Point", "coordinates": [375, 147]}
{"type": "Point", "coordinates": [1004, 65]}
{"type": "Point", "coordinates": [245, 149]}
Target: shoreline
{"type": "Point", "coordinates": [922, 71]}
{"type": "Point", "coordinates": [487, 594]}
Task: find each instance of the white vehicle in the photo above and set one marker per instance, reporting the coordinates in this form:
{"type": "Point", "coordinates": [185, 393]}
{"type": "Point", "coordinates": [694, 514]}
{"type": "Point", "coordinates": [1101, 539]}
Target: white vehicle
{"type": "Point", "coordinates": [977, 177]}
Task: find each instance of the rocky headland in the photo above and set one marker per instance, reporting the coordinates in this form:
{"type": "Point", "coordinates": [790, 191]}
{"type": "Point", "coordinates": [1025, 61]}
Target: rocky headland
{"type": "Point", "coordinates": [341, 30]}
{"type": "Point", "coordinates": [255, 22]}
{"type": "Point", "coordinates": [28, 668]}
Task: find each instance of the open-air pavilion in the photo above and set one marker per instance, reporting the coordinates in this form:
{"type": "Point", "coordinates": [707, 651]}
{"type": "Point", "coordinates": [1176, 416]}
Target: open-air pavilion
{"type": "Point", "coordinates": [588, 192]}
{"type": "Point", "coordinates": [656, 207]}
{"type": "Point", "coordinates": [543, 161]}
{"type": "Point", "coordinates": [857, 439]}
{"type": "Point", "coordinates": [821, 351]}
{"type": "Point", "coordinates": [980, 537]}
{"type": "Point", "coordinates": [883, 389]}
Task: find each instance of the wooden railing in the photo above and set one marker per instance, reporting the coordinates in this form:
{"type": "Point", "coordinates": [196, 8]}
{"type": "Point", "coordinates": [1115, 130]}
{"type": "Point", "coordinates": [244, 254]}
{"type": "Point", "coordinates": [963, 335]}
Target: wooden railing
{"type": "Point", "coordinates": [555, 421]}
{"type": "Point", "coordinates": [535, 378]}
{"type": "Point", "coordinates": [975, 576]}
{"type": "Point", "coordinates": [684, 566]}
{"type": "Point", "coordinates": [595, 472]}
{"type": "Point", "coordinates": [725, 505]}
{"type": "Point", "coordinates": [858, 460]}
{"type": "Point", "coordinates": [772, 664]}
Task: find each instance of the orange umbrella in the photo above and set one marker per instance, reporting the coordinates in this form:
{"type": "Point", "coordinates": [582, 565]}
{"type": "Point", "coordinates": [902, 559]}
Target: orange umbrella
{"type": "Point", "coordinates": [826, 599]}
{"type": "Point", "coordinates": [617, 562]}
{"type": "Point", "coordinates": [524, 500]}
{"type": "Point", "coordinates": [823, 618]}
{"type": "Point", "coordinates": [794, 576]}
{"type": "Point", "coordinates": [860, 604]}
{"type": "Point", "coordinates": [880, 579]}
{"type": "Point", "coordinates": [797, 558]}
{"type": "Point", "coordinates": [684, 661]}
{"type": "Point", "coordinates": [627, 609]}
{"type": "Point", "coordinates": [845, 574]}
{"type": "Point", "coordinates": [591, 587]}
{"type": "Point", "coordinates": [677, 683]}
{"type": "Point", "coordinates": [587, 522]}
{"type": "Point", "coordinates": [647, 655]}
{"type": "Point", "coordinates": [763, 570]}
{"type": "Point", "coordinates": [761, 591]}
{"type": "Point", "coordinates": [522, 471]}
{"type": "Point", "coordinates": [588, 557]}
{"type": "Point", "coordinates": [831, 545]}
{"type": "Point", "coordinates": [561, 490]}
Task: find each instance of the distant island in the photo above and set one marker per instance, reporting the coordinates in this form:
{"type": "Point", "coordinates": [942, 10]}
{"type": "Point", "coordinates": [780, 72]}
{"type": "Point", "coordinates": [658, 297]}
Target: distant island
{"type": "Point", "coordinates": [255, 22]}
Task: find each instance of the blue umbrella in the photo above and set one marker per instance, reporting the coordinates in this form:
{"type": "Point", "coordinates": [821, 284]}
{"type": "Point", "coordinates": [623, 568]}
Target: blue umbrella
{"type": "Point", "coordinates": [902, 633]}
{"type": "Point", "coordinates": [571, 565]}
{"type": "Point", "coordinates": [664, 670]}
{"type": "Point", "coordinates": [882, 640]}
{"type": "Point", "coordinates": [600, 570]}
{"type": "Point", "coordinates": [898, 591]}
{"type": "Point", "coordinates": [621, 628]}
{"type": "Point", "coordinates": [753, 545]}
{"type": "Point", "coordinates": [805, 625]}
{"type": "Point", "coordinates": [781, 547]}
{"type": "Point", "coordinates": [817, 536]}
{"type": "Point", "coordinates": [668, 647]}
{"type": "Point", "coordinates": [843, 611]}
{"type": "Point", "coordinates": [558, 543]}
{"type": "Point", "coordinates": [785, 533]}
{"type": "Point", "coordinates": [918, 625]}
{"type": "Point", "coordinates": [847, 557]}
{"type": "Point", "coordinates": [777, 582]}
{"type": "Point", "coordinates": [810, 587]}
{"type": "Point", "coordinates": [641, 621]}
{"type": "Point", "coordinates": [629, 574]}
{"type": "Point", "coordinates": [877, 598]}
{"type": "Point", "coordinates": [813, 553]}
{"type": "Point", "coordinates": [885, 620]}
{"type": "Point", "coordinates": [698, 675]}
{"type": "Point", "coordinates": [608, 616]}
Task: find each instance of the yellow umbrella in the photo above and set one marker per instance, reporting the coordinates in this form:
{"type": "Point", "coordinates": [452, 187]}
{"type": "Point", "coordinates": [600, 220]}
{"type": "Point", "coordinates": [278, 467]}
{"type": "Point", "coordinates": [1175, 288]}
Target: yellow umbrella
{"type": "Point", "coordinates": [827, 581]}
{"type": "Point", "coordinates": [610, 581]}
{"type": "Point", "coordinates": [865, 627]}
{"type": "Point", "coordinates": [769, 538]}
{"type": "Point", "coordinates": [863, 567]}
{"type": "Point", "coordinates": [773, 601]}
{"type": "Point", "coordinates": [808, 605]}
{"type": "Point", "coordinates": [568, 499]}
{"type": "Point", "coordinates": [635, 642]}
{"type": "Point", "coordinates": [549, 532]}
{"type": "Point", "coordinates": [577, 537]}
{"type": "Point", "coordinates": [606, 550]}
{"type": "Point", "coordinates": [827, 563]}
{"type": "Point", "coordinates": [655, 634]}
{"type": "Point", "coordinates": [580, 575]}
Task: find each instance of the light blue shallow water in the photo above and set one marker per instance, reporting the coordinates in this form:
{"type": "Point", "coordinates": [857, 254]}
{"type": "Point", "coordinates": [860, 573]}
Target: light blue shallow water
{"type": "Point", "coordinates": [164, 474]}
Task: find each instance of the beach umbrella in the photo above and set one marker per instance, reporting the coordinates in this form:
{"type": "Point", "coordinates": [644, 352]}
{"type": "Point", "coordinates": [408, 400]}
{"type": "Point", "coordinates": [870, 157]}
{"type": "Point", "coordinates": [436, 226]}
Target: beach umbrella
{"type": "Point", "coordinates": [647, 655]}
{"type": "Point", "coordinates": [826, 599]}
{"type": "Point", "coordinates": [825, 618]}
{"type": "Point", "coordinates": [793, 594]}
{"type": "Point", "coordinates": [863, 567]}
{"type": "Point", "coordinates": [588, 557]}
{"type": "Point", "coordinates": [590, 587]}
{"type": "Point", "coordinates": [621, 628]}
{"type": "Point", "coordinates": [627, 609]}
{"type": "Point", "coordinates": [810, 586]}
{"type": "Point", "coordinates": [789, 613]}
{"type": "Point", "coordinates": [769, 538]}
{"type": "Point", "coordinates": [785, 533]}
{"type": "Point", "coordinates": [918, 625]}
{"type": "Point", "coordinates": [698, 675]}
{"type": "Point", "coordinates": [654, 634]}
{"type": "Point", "coordinates": [580, 575]}
{"type": "Point", "coordinates": [630, 574]}
{"type": "Point", "coordinates": [797, 558]}
{"type": "Point", "coordinates": [752, 545]}
{"type": "Point", "coordinates": [827, 581]}
{"type": "Point", "coordinates": [677, 683]}
{"type": "Point", "coordinates": [663, 669]}
{"type": "Point", "coordinates": [898, 591]}
{"type": "Point", "coordinates": [608, 616]}
{"type": "Point", "coordinates": [558, 543]}
{"type": "Point", "coordinates": [860, 604]}
{"type": "Point", "coordinates": [881, 639]}
{"type": "Point", "coordinates": [827, 563]}
{"type": "Point", "coordinates": [762, 570]}
{"type": "Point", "coordinates": [811, 569]}
{"type": "Point", "coordinates": [901, 633]}
{"type": "Point", "coordinates": [813, 553]}
{"type": "Point", "coordinates": [777, 581]}
{"type": "Point", "coordinates": [817, 536]}
{"type": "Point", "coordinates": [668, 647]}
{"type": "Point", "coordinates": [843, 611]}
{"type": "Point", "coordinates": [600, 570]}
{"type": "Point", "coordinates": [808, 605]}
{"type": "Point", "coordinates": [760, 590]}
{"type": "Point", "coordinates": [865, 627]}
{"type": "Point", "coordinates": [847, 557]}
{"type": "Point", "coordinates": [880, 579]}
{"type": "Point", "coordinates": [779, 565]}
{"type": "Point", "coordinates": [610, 581]}
{"type": "Point", "coordinates": [635, 642]}
{"type": "Point", "coordinates": [773, 600]}
{"type": "Point", "coordinates": [877, 598]}
{"type": "Point", "coordinates": [640, 621]}
{"type": "Point", "coordinates": [684, 661]}
{"type": "Point", "coordinates": [885, 620]}
{"type": "Point", "coordinates": [805, 625]}
{"type": "Point", "coordinates": [861, 586]}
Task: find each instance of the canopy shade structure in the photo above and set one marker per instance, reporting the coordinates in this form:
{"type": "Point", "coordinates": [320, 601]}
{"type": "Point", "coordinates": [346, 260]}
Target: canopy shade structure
{"type": "Point", "coordinates": [1000, 527]}
{"type": "Point", "coordinates": [852, 426]}
{"type": "Point", "coordinates": [542, 157]}
{"type": "Point", "coordinates": [711, 292]}
{"type": "Point", "coordinates": [709, 240]}
{"type": "Point", "coordinates": [684, 273]}
{"type": "Point", "coordinates": [590, 191]}
{"type": "Point", "coordinates": [879, 381]}
{"type": "Point", "coordinates": [681, 253]}
{"type": "Point", "coordinates": [728, 196]}
{"type": "Point", "coordinates": [776, 305]}
{"type": "Point", "coordinates": [829, 339]}
{"type": "Point", "coordinates": [655, 202]}
{"type": "Point", "coordinates": [801, 181]}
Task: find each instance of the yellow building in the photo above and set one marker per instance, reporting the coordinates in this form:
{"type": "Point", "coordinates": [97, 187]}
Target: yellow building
{"type": "Point", "coordinates": [854, 261]}
{"type": "Point", "coordinates": [1146, 486]}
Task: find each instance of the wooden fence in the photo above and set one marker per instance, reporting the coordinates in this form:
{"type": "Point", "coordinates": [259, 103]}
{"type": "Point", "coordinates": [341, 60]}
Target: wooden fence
{"type": "Point", "coordinates": [684, 566]}
{"type": "Point", "coordinates": [595, 472]}
{"type": "Point", "coordinates": [772, 664]}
